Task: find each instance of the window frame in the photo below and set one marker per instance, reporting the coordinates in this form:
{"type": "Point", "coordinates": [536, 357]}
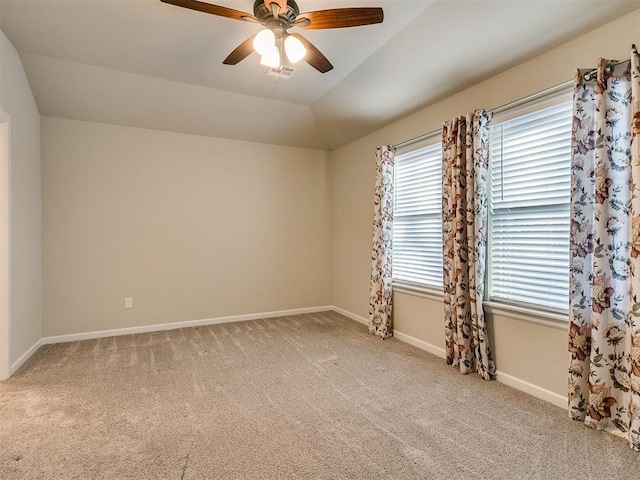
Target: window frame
{"type": "Point", "coordinates": [537, 313]}
{"type": "Point", "coordinates": [405, 286]}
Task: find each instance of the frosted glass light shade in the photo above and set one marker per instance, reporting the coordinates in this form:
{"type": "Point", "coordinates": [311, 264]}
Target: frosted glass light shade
{"type": "Point", "coordinates": [271, 57]}
{"type": "Point", "coordinates": [264, 41]}
{"type": "Point", "coordinates": [294, 49]}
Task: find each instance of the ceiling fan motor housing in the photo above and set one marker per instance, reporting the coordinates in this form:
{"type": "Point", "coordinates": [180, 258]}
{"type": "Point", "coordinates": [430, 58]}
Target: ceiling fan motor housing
{"type": "Point", "coordinates": [263, 12]}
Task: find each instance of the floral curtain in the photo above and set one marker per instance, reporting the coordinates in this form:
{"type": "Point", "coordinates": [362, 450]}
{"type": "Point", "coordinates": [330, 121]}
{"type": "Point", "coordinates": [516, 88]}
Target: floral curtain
{"type": "Point", "coordinates": [604, 329]}
{"type": "Point", "coordinates": [381, 290]}
{"type": "Point", "coordinates": [465, 155]}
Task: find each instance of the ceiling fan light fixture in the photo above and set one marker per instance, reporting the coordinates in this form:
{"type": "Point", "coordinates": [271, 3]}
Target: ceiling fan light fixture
{"type": "Point", "coordinates": [265, 41]}
{"type": "Point", "coordinates": [278, 16]}
{"type": "Point", "coordinates": [294, 49]}
{"type": "Point", "coordinates": [271, 58]}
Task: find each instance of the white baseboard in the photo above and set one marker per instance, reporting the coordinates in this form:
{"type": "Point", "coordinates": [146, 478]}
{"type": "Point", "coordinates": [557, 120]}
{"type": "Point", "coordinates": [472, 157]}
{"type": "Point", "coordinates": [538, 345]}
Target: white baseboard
{"type": "Point", "coordinates": [352, 316]}
{"type": "Point", "coordinates": [73, 337]}
{"type": "Point", "coordinates": [24, 357]}
{"type": "Point", "coordinates": [505, 378]}
{"type": "Point", "coordinates": [422, 345]}
{"type": "Point", "coordinates": [501, 377]}
{"type": "Point", "coordinates": [531, 389]}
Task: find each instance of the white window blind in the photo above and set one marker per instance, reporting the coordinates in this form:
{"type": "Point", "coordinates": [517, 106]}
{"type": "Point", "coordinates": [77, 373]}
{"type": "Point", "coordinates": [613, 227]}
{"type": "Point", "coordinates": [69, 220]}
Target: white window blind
{"type": "Point", "coordinates": [417, 219]}
{"type": "Point", "coordinates": [530, 189]}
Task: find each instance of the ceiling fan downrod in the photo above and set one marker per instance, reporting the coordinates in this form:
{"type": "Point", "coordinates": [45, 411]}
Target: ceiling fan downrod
{"type": "Point", "coordinates": [269, 9]}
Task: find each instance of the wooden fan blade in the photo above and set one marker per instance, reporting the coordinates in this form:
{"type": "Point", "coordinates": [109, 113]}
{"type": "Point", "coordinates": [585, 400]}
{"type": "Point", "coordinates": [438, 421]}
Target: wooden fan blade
{"type": "Point", "coordinates": [314, 57]}
{"type": "Point", "coordinates": [241, 52]}
{"type": "Point", "coordinates": [212, 9]}
{"type": "Point", "coordinates": [342, 17]}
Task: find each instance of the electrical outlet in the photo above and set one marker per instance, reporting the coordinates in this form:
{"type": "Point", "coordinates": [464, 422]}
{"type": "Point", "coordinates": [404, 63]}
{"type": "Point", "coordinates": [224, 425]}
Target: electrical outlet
{"type": "Point", "coordinates": [128, 302]}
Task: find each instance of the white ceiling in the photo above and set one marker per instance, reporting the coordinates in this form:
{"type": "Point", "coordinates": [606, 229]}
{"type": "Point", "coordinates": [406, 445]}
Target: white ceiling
{"type": "Point", "coordinates": [148, 64]}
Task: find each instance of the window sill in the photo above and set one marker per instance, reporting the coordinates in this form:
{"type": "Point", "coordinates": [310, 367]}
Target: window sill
{"type": "Point", "coordinates": [547, 319]}
{"type": "Point", "coordinates": [558, 321]}
{"type": "Point", "coordinates": [417, 290]}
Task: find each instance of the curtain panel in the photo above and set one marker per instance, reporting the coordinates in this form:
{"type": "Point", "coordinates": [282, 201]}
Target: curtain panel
{"type": "Point", "coordinates": [380, 296]}
{"type": "Point", "coordinates": [604, 311]}
{"type": "Point", "coordinates": [465, 156]}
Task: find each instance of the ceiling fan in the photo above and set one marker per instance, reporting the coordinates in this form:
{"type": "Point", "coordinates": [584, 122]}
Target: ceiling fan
{"type": "Point", "coordinates": [277, 16]}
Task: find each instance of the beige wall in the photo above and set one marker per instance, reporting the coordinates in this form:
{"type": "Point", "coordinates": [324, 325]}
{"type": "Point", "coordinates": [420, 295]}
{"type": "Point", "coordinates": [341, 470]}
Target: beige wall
{"type": "Point", "coordinates": [24, 198]}
{"type": "Point", "coordinates": [189, 227]}
{"type": "Point", "coordinates": [353, 174]}
{"type": "Point", "coordinates": [196, 227]}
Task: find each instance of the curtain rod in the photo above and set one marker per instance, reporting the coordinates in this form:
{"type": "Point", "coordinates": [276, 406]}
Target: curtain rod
{"type": "Point", "coordinates": [417, 139]}
{"type": "Point", "coordinates": [501, 108]}
{"type": "Point", "coordinates": [516, 103]}
{"type": "Point", "coordinates": [535, 96]}
{"type": "Point", "coordinates": [610, 65]}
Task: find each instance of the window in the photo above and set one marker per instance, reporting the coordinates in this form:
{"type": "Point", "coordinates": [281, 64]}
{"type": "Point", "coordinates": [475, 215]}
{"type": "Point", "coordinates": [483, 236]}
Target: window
{"type": "Point", "coordinates": [417, 220]}
{"type": "Point", "coordinates": [529, 202]}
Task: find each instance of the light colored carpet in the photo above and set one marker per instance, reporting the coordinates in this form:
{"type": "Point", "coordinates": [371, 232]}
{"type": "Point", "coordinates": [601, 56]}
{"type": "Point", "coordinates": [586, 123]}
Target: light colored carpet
{"type": "Point", "coordinates": [308, 396]}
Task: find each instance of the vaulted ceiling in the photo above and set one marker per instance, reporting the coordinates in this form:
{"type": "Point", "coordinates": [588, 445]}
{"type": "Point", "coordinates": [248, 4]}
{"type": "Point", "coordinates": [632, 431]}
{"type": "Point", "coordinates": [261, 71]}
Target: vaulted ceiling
{"type": "Point", "coordinates": [148, 64]}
